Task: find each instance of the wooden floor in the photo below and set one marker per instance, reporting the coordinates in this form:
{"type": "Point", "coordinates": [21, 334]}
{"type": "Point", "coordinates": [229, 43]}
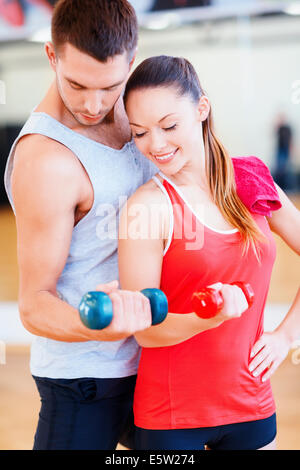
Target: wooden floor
{"type": "Point", "coordinates": [19, 401]}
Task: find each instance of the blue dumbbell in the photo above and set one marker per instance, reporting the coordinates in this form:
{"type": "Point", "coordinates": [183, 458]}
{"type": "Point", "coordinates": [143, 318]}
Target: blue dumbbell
{"type": "Point", "coordinates": [96, 310]}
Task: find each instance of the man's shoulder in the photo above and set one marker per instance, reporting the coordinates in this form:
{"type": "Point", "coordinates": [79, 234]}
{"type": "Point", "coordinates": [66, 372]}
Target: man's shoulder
{"type": "Point", "coordinates": [40, 151]}
{"type": "Point", "coordinates": [47, 170]}
{"type": "Point", "coordinates": [30, 142]}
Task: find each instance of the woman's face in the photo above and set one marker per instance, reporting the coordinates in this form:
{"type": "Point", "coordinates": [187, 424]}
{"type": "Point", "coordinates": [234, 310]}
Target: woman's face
{"type": "Point", "coordinates": [167, 127]}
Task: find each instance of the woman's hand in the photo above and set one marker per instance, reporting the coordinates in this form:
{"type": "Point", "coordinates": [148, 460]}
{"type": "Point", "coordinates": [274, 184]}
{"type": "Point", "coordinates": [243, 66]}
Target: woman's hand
{"type": "Point", "coordinates": [268, 353]}
{"type": "Point", "coordinates": [234, 302]}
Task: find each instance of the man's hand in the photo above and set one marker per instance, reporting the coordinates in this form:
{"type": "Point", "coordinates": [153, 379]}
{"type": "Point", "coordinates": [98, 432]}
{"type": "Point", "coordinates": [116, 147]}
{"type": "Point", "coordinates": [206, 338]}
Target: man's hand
{"type": "Point", "coordinates": [132, 311]}
{"type": "Point", "coordinates": [109, 287]}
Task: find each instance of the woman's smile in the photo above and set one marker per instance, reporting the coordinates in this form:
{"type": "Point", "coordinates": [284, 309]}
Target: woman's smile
{"type": "Point", "coordinates": [166, 157]}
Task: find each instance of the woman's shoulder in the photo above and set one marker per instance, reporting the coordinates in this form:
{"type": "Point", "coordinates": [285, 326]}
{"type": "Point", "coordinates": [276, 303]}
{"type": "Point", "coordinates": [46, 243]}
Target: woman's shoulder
{"type": "Point", "coordinates": [148, 206]}
{"type": "Point", "coordinates": [148, 193]}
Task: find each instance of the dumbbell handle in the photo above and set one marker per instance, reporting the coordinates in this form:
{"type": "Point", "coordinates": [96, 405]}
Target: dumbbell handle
{"type": "Point", "coordinates": [208, 302]}
{"type": "Point", "coordinates": [96, 310]}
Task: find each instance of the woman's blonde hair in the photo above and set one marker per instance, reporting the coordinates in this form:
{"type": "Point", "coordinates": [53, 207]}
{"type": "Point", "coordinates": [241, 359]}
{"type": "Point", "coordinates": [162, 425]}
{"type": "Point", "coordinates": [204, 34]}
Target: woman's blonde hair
{"type": "Point", "coordinates": [165, 71]}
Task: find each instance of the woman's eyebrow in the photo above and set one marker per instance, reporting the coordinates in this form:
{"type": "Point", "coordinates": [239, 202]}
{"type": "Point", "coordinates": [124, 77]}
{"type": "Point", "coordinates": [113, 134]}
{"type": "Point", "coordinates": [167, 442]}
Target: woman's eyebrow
{"type": "Point", "coordinates": [138, 125]}
{"type": "Point", "coordinates": [170, 114]}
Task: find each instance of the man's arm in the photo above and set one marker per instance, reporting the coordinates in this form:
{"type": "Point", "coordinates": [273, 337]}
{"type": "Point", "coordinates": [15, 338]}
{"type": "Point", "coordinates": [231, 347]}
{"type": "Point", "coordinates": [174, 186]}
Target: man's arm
{"type": "Point", "coordinates": [47, 185]}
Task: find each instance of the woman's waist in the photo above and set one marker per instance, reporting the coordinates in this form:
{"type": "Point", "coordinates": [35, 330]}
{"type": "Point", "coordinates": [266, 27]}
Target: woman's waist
{"type": "Point", "coordinates": [225, 348]}
{"type": "Point", "coordinates": [198, 380]}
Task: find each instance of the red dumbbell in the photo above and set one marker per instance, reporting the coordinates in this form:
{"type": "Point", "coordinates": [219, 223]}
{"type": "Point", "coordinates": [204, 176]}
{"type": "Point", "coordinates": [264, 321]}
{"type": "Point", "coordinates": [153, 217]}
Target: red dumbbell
{"type": "Point", "coordinates": [208, 302]}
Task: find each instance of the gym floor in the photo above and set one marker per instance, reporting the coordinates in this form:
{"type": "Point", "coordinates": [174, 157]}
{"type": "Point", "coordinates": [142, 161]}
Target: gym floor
{"type": "Point", "coordinates": [19, 400]}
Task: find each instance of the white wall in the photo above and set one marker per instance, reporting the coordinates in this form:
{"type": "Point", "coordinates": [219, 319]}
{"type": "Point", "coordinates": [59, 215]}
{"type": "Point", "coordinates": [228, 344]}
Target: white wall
{"type": "Point", "coordinates": [248, 69]}
{"type": "Point", "coordinates": [26, 74]}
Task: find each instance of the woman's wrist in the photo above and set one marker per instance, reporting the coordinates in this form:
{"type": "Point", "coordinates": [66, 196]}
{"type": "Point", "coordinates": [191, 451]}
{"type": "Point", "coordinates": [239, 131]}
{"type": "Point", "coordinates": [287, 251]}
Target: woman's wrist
{"type": "Point", "coordinates": [288, 336]}
{"type": "Point", "coordinates": [206, 323]}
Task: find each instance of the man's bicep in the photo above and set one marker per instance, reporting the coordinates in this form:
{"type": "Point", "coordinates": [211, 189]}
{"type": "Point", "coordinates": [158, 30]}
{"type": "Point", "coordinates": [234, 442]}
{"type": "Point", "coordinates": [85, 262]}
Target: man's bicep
{"type": "Point", "coordinates": [44, 206]}
{"type": "Point", "coordinates": [43, 246]}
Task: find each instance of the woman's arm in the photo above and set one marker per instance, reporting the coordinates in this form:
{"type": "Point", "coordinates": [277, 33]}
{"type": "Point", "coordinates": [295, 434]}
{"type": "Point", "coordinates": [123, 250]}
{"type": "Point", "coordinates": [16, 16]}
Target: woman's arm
{"type": "Point", "coordinates": [141, 246]}
{"type": "Point", "coordinates": [272, 348]}
{"type": "Point", "coordinates": [286, 222]}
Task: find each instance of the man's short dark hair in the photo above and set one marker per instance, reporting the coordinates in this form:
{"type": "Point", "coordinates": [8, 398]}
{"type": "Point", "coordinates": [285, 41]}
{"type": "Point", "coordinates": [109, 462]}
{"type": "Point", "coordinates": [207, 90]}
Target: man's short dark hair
{"type": "Point", "coordinates": [99, 28]}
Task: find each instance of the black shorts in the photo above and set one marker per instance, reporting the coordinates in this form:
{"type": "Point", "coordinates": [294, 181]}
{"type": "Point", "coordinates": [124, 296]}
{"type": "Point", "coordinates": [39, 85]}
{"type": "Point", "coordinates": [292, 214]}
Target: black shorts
{"type": "Point", "coordinates": [85, 414]}
{"type": "Point", "coordinates": [249, 435]}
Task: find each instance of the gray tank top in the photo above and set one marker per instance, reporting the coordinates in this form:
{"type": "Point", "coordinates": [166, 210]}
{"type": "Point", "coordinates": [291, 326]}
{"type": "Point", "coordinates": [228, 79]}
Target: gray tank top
{"type": "Point", "coordinates": [115, 175]}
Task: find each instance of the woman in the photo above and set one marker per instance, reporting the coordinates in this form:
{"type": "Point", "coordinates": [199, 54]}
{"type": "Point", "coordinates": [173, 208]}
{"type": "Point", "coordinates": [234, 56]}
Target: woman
{"type": "Point", "coordinates": [201, 383]}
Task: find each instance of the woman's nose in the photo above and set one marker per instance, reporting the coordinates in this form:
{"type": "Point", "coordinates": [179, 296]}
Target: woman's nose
{"type": "Point", "coordinates": [158, 142]}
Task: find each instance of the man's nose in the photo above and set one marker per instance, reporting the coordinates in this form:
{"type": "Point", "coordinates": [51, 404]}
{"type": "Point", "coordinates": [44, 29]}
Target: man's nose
{"type": "Point", "coordinates": [94, 103]}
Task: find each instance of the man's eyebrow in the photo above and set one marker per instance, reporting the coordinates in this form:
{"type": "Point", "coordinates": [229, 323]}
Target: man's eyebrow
{"type": "Point", "coordinates": [138, 125]}
{"type": "Point", "coordinates": [70, 80]}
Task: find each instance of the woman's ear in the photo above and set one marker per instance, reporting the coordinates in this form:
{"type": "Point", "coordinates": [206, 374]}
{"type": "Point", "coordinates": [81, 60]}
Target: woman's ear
{"type": "Point", "coordinates": [203, 108]}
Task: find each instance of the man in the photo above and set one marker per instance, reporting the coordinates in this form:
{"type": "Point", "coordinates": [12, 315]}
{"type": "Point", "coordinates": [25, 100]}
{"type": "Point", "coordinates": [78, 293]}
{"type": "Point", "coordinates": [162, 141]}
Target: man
{"type": "Point", "coordinates": [74, 158]}
{"type": "Point", "coordinates": [283, 170]}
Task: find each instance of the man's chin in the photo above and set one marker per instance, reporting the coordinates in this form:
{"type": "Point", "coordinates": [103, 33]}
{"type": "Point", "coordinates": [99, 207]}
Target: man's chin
{"type": "Point", "coordinates": [86, 121]}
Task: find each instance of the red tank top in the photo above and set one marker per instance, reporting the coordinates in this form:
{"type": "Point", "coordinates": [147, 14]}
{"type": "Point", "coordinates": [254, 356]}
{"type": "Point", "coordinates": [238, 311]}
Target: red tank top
{"type": "Point", "coordinates": [205, 381]}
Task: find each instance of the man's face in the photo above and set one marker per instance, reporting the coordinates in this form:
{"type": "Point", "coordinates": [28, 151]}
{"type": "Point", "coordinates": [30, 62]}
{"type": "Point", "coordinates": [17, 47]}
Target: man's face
{"type": "Point", "coordinates": [89, 88]}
